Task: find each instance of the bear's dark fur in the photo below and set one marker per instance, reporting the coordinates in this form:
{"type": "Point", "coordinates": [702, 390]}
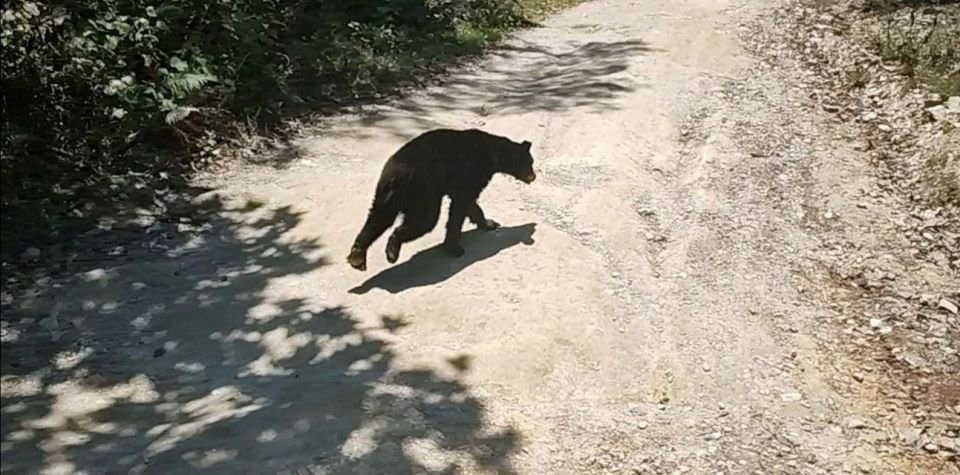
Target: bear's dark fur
{"type": "Point", "coordinates": [455, 163]}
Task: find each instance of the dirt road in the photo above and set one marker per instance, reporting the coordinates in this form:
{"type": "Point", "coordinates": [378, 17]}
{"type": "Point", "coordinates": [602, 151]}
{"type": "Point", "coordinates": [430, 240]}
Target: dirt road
{"type": "Point", "coordinates": [637, 313]}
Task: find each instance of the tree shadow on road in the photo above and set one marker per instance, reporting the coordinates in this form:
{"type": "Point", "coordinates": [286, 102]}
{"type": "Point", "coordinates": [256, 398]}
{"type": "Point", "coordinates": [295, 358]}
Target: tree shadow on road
{"type": "Point", "coordinates": [519, 78]}
{"type": "Point", "coordinates": [215, 357]}
{"type": "Point", "coordinates": [432, 266]}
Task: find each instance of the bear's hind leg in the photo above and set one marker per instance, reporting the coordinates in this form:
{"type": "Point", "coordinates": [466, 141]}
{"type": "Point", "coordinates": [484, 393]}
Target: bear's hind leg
{"type": "Point", "coordinates": [378, 220]}
{"type": "Point", "coordinates": [415, 224]}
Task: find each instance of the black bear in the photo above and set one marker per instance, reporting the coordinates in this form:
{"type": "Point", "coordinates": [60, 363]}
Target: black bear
{"type": "Point", "coordinates": [414, 180]}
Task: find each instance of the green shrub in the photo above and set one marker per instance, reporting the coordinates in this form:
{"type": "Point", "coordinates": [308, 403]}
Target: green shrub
{"type": "Point", "coordinates": [926, 43]}
{"type": "Point", "coordinates": [87, 85]}
{"type": "Point", "coordinates": [104, 69]}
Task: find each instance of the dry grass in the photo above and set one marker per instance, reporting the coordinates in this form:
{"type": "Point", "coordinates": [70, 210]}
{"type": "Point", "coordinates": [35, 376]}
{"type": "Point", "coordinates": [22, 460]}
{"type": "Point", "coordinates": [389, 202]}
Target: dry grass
{"type": "Point", "coordinates": [921, 37]}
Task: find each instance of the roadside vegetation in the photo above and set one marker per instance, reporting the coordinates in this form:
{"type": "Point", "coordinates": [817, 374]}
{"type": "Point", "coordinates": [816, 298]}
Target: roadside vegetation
{"type": "Point", "coordinates": [108, 100]}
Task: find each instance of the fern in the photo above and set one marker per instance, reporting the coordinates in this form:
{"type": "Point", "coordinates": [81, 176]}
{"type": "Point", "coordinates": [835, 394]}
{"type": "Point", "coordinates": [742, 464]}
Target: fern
{"type": "Point", "coordinates": [183, 84]}
{"type": "Point", "coordinates": [178, 113]}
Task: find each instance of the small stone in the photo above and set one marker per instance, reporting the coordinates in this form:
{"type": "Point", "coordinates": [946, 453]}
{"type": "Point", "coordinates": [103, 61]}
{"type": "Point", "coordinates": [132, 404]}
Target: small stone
{"type": "Point", "coordinates": [914, 360]}
{"type": "Point", "coordinates": [932, 100]}
{"type": "Point", "coordinates": [948, 445]}
{"type": "Point", "coordinates": [30, 254]}
{"type": "Point", "coordinates": [876, 323]}
{"type": "Point", "coordinates": [706, 368]}
{"type": "Point", "coordinates": [863, 146]}
{"type": "Point", "coordinates": [831, 108]}
{"type": "Point", "coordinates": [953, 104]}
{"type": "Point", "coordinates": [94, 275]}
{"type": "Point", "coordinates": [52, 324]}
{"type": "Point", "coordinates": [642, 425]}
{"type": "Point", "coordinates": [948, 306]}
{"type": "Point", "coordinates": [931, 447]}
{"type": "Point", "coordinates": [856, 423]}
{"type": "Point", "coordinates": [911, 436]}
{"type": "Point", "coordinates": [936, 113]}
{"type": "Point", "coordinates": [791, 397]}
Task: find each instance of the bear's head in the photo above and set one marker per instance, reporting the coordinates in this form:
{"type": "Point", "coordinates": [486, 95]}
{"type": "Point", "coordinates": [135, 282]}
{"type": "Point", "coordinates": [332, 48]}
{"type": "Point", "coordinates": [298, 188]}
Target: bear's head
{"type": "Point", "coordinates": [517, 161]}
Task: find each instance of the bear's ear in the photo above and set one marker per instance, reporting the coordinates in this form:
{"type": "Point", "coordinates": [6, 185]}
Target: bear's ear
{"type": "Point", "coordinates": [526, 144]}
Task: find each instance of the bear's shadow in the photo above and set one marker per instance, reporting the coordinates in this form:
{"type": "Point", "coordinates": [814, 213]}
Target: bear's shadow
{"type": "Point", "coordinates": [431, 266]}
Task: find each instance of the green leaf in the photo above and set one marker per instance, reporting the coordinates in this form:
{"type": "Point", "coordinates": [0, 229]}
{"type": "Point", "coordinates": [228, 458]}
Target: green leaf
{"type": "Point", "coordinates": [178, 114]}
{"type": "Point", "coordinates": [178, 64]}
{"type": "Point", "coordinates": [183, 84]}
{"type": "Point", "coordinates": [31, 8]}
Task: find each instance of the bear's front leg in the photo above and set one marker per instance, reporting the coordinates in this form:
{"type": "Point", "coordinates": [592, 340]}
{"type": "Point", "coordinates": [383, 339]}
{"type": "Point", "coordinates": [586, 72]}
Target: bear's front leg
{"type": "Point", "coordinates": [478, 218]}
{"type": "Point", "coordinates": [451, 243]}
